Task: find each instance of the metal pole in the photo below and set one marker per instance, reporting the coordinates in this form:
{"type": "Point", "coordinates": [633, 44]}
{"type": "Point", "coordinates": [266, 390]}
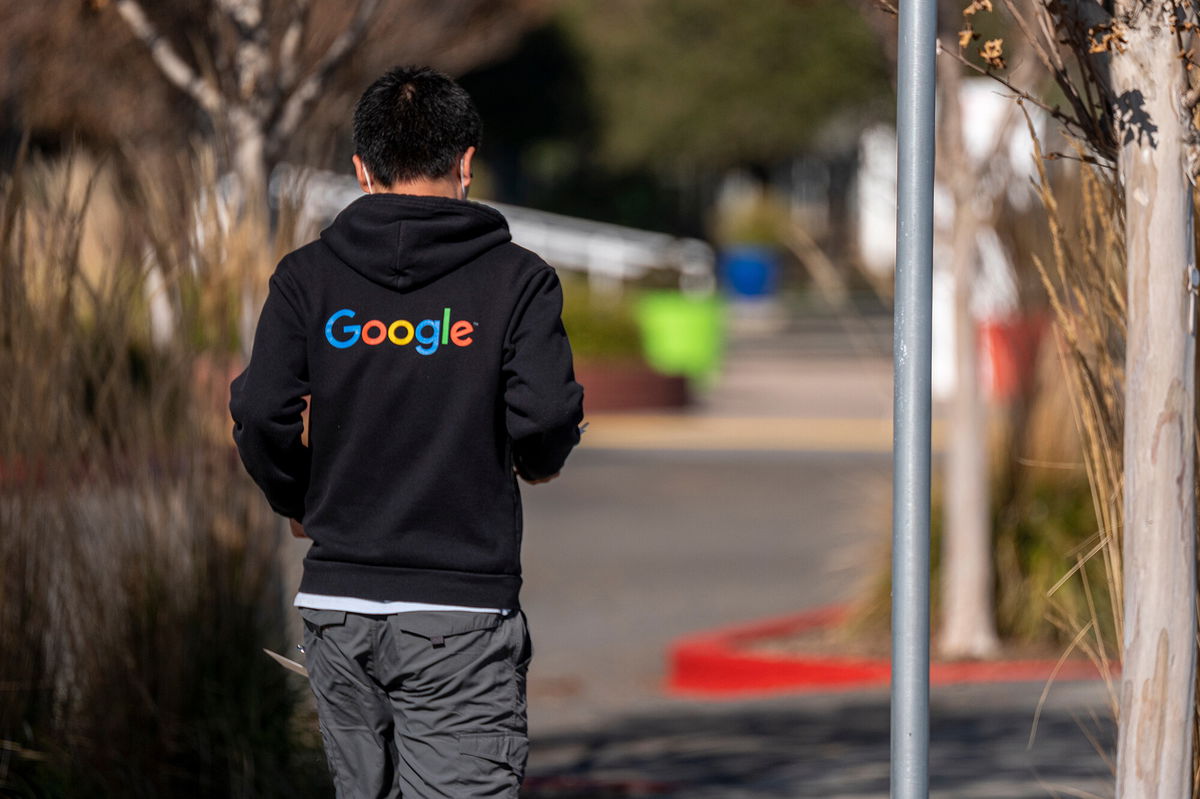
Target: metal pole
{"type": "Point", "coordinates": [911, 419]}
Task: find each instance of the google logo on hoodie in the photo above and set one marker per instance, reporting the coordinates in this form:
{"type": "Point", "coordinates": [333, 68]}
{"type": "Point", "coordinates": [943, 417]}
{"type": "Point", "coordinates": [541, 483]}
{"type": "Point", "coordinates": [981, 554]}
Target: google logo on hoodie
{"type": "Point", "coordinates": [428, 333]}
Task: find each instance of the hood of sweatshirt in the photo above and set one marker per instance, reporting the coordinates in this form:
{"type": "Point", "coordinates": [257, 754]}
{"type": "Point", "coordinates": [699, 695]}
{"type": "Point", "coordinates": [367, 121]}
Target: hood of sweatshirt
{"type": "Point", "coordinates": [403, 241]}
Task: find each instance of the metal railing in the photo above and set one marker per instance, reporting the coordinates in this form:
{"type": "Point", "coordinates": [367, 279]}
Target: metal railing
{"type": "Point", "coordinates": [609, 255]}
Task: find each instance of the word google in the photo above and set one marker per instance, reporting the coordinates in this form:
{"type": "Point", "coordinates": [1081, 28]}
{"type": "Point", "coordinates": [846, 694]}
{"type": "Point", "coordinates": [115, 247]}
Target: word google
{"type": "Point", "coordinates": [428, 333]}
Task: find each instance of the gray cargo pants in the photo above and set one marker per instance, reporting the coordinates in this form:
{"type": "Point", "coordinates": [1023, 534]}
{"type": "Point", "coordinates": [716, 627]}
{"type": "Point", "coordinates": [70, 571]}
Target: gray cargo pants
{"type": "Point", "coordinates": [422, 704]}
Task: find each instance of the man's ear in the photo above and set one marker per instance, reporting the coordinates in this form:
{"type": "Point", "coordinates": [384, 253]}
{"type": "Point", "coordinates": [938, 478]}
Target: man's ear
{"type": "Point", "coordinates": [360, 172]}
{"type": "Point", "coordinates": [465, 166]}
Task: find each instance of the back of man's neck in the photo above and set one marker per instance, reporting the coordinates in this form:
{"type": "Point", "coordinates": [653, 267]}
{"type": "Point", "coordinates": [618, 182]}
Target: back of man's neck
{"type": "Point", "coordinates": [422, 188]}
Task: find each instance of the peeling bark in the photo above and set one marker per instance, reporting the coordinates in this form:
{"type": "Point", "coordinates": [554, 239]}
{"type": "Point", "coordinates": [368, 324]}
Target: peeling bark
{"type": "Point", "coordinates": [1155, 735]}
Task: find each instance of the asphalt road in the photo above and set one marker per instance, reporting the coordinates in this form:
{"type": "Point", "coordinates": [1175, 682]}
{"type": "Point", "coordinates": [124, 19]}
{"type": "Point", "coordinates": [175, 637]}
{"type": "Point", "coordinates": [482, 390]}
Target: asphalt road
{"type": "Point", "coordinates": [629, 550]}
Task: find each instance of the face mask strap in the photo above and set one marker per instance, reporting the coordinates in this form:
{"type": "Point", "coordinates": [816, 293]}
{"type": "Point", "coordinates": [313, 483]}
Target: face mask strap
{"type": "Point", "coordinates": [462, 181]}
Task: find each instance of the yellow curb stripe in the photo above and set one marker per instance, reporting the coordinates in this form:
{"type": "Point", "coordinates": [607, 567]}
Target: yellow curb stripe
{"type": "Point", "coordinates": [681, 432]}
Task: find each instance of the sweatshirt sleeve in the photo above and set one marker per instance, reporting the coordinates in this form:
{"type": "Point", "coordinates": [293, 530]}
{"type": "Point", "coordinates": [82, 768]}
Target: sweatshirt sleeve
{"type": "Point", "coordinates": [267, 403]}
{"type": "Point", "coordinates": [544, 403]}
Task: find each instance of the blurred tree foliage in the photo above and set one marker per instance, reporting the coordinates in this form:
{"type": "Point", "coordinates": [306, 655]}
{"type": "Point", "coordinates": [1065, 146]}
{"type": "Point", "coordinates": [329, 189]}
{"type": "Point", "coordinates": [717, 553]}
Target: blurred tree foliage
{"type": "Point", "coordinates": [632, 110]}
{"type": "Point", "coordinates": [628, 110]}
{"type": "Point", "coordinates": [711, 85]}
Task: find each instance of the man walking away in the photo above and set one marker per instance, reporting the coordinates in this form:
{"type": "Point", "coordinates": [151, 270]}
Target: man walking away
{"type": "Point", "coordinates": [437, 370]}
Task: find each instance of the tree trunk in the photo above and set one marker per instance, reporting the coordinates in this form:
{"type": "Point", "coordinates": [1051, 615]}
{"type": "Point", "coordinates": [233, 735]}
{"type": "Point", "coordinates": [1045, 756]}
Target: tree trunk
{"type": "Point", "coordinates": [248, 142]}
{"type": "Point", "coordinates": [1155, 733]}
{"type": "Point", "coordinates": [247, 145]}
{"type": "Point", "coordinates": [968, 628]}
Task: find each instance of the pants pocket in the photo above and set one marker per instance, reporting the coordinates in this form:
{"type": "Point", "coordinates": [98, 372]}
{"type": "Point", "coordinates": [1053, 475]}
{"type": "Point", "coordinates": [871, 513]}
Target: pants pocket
{"type": "Point", "coordinates": [316, 620]}
{"type": "Point", "coordinates": [435, 624]}
{"type": "Point", "coordinates": [437, 645]}
{"type": "Point", "coordinates": [493, 763]}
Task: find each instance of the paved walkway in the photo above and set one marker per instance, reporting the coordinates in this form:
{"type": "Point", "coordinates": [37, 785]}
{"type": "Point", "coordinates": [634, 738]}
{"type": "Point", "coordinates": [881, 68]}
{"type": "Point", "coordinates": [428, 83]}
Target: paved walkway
{"type": "Point", "coordinates": [769, 497]}
{"type": "Point", "coordinates": [706, 433]}
{"type": "Point", "coordinates": [784, 377]}
{"type": "Point", "coordinates": [787, 392]}
{"type": "Point", "coordinates": [833, 746]}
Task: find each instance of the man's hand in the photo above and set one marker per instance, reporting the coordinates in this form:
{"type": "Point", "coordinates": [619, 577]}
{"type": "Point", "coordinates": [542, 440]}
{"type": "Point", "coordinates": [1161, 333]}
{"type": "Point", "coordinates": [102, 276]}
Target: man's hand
{"type": "Point", "coordinates": [297, 529]}
{"type": "Point", "coordinates": [537, 482]}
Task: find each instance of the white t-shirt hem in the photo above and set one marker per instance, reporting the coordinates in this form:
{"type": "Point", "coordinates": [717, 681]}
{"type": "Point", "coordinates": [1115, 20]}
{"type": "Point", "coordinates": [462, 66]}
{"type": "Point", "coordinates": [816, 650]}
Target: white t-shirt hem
{"type": "Point", "coordinates": [356, 605]}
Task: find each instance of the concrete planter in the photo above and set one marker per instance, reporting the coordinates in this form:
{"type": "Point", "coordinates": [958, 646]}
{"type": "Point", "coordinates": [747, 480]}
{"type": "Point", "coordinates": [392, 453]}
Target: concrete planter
{"type": "Point", "coordinates": [628, 385]}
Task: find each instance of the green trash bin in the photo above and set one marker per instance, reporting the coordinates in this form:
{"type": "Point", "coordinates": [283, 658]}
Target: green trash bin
{"type": "Point", "coordinates": [682, 334]}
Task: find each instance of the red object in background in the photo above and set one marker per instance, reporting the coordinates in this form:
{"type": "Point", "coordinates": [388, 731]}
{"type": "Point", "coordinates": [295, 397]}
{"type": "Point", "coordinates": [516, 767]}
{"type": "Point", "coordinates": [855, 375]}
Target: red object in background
{"type": "Point", "coordinates": [722, 663]}
{"type": "Point", "coordinates": [1008, 350]}
{"type": "Point", "coordinates": [719, 662]}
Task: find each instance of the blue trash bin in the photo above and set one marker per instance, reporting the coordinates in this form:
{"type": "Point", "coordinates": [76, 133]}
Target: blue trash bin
{"type": "Point", "coordinates": [750, 270]}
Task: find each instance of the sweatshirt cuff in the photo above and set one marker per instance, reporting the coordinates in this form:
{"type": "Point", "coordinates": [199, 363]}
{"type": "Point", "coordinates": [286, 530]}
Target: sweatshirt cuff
{"type": "Point", "coordinates": [288, 510]}
{"type": "Point", "coordinates": [542, 456]}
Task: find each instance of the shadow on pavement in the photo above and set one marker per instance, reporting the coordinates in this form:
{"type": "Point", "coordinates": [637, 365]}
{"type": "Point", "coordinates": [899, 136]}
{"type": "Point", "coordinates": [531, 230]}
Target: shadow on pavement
{"type": "Point", "coordinates": [827, 751]}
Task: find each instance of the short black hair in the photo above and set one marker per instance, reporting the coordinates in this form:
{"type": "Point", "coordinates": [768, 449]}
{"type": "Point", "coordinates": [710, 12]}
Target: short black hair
{"type": "Point", "coordinates": [414, 122]}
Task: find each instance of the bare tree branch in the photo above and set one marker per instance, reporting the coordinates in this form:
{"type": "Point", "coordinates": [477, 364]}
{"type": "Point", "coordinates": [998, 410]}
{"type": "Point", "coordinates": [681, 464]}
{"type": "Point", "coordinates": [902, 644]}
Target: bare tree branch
{"type": "Point", "coordinates": [1023, 94]}
{"type": "Point", "coordinates": [1087, 31]}
{"type": "Point", "coordinates": [1083, 159]}
{"type": "Point", "coordinates": [246, 15]}
{"type": "Point", "coordinates": [1048, 50]}
{"type": "Point", "coordinates": [289, 46]}
{"type": "Point", "coordinates": [1045, 47]}
{"type": "Point", "coordinates": [251, 54]}
{"type": "Point", "coordinates": [174, 68]}
{"type": "Point", "coordinates": [306, 92]}
{"type": "Point", "coordinates": [1080, 14]}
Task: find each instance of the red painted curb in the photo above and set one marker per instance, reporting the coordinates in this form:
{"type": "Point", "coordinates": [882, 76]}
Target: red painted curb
{"type": "Point", "coordinates": [717, 663]}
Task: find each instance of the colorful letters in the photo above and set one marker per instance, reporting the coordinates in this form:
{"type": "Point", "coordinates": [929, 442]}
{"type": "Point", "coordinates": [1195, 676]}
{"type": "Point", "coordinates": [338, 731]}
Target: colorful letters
{"type": "Point", "coordinates": [407, 325]}
{"type": "Point", "coordinates": [428, 333]}
{"type": "Point", "coordinates": [460, 333]}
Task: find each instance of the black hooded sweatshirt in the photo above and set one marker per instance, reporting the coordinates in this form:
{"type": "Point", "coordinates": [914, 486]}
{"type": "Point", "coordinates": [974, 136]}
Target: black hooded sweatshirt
{"type": "Point", "coordinates": [434, 358]}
